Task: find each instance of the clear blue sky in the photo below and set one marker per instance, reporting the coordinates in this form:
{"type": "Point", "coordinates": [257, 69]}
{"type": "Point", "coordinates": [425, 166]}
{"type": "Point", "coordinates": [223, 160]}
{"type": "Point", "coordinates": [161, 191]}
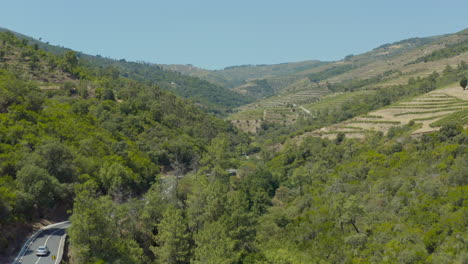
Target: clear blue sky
{"type": "Point", "coordinates": [217, 33]}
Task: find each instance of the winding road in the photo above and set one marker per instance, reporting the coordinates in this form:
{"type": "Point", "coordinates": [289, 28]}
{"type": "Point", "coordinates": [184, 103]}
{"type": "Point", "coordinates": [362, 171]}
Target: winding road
{"type": "Point", "coordinates": [53, 237]}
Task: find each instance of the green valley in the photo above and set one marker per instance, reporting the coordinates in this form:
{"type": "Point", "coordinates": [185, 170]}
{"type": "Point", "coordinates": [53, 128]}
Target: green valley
{"type": "Point", "coordinates": [362, 160]}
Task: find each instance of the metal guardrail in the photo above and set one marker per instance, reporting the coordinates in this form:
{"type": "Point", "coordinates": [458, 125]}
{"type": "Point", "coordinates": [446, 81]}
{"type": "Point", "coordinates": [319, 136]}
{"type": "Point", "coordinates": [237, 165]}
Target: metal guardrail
{"type": "Point", "coordinates": [31, 239]}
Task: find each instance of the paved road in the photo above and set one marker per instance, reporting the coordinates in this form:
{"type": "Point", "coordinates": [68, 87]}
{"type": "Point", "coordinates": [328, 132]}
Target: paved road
{"type": "Point", "coordinates": [50, 236]}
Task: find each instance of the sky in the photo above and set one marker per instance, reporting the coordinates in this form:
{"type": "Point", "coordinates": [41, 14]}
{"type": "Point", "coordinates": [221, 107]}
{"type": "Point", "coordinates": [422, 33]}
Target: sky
{"type": "Point", "coordinates": [214, 34]}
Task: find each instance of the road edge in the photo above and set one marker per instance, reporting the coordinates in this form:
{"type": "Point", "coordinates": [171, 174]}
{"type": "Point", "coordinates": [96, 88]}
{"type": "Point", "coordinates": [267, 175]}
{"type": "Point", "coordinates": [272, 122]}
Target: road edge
{"type": "Point", "coordinates": [61, 246]}
{"type": "Point", "coordinates": [31, 239]}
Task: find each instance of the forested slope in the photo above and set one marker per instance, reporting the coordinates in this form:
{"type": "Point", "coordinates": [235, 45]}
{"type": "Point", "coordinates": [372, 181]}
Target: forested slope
{"type": "Point", "coordinates": [382, 200]}
{"type": "Point", "coordinates": [389, 199]}
{"type": "Point", "coordinates": [54, 139]}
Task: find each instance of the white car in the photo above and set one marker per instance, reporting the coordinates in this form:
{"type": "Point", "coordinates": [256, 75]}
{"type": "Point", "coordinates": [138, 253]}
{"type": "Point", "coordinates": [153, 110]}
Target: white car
{"type": "Point", "coordinates": [42, 251]}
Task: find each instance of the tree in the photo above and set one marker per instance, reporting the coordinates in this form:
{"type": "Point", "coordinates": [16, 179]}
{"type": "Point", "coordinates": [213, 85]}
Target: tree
{"type": "Point", "coordinates": [206, 203]}
{"type": "Point", "coordinates": [300, 177]}
{"type": "Point", "coordinates": [172, 238]}
{"type": "Point", "coordinates": [348, 58]}
{"type": "Point", "coordinates": [7, 197]}
{"type": "Point", "coordinates": [117, 179]}
{"type": "Point", "coordinates": [91, 229]}
{"type": "Point", "coordinates": [214, 246]}
{"type": "Point", "coordinates": [239, 222]}
{"type": "Point", "coordinates": [99, 230]}
{"type": "Point", "coordinates": [340, 137]}
{"type": "Point", "coordinates": [464, 83]}
{"type": "Point", "coordinates": [70, 58]}
{"type": "Point", "coordinates": [449, 131]}
{"type": "Point", "coordinates": [218, 157]}
{"type": "Point", "coordinates": [69, 88]}
{"type": "Point", "coordinates": [39, 185]}
{"type": "Point", "coordinates": [151, 213]}
{"type": "Point", "coordinates": [108, 94]}
{"type": "Point", "coordinates": [58, 160]}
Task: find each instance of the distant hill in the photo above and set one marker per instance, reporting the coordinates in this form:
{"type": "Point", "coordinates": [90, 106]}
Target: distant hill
{"type": "Point", "coordinates": [281, 85]}
{"type": "Point", "coordinates": [235, 76]}
{"type": "Point", "coordinates": [208, 95]}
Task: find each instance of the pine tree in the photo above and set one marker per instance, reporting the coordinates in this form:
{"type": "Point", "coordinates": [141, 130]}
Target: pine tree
{"type": "Point", "coordinates": [214, 246]}
{"type": "Point", "coordinates": [172, 238]}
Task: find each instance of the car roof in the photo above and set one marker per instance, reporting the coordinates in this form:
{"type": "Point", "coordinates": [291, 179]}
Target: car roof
{"type": "Point", "coordinates": [42, 247]}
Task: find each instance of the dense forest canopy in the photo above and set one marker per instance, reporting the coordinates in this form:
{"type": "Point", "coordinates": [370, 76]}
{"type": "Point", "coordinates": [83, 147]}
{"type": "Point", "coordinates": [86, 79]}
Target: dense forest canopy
{"type": "Point", "coordinates": [117, 132]}
{"type": "Point", "coordinates": [149, 177]}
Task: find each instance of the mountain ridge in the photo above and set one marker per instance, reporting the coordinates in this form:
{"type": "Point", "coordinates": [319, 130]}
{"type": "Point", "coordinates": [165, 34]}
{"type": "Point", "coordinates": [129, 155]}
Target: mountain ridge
{"type": "Point", "coordinates": [238, 75]}
{"type": "Point", "coordinates": [207, 95]}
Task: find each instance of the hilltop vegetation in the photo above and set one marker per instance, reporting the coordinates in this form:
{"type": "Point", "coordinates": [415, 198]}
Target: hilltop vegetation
{"type": "Point", "coordinates": [211, 97]}
{"type": "Point", "coordinates": [447, 52]}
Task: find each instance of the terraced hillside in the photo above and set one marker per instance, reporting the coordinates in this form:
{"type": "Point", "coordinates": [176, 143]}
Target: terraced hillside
{"type": "Point", "coordinates": [425, 111]}
{"type": "Point", "coordinates": [286, 109]}
{"type": "Point", "coordinates": [332, 101]}
{"type": "Point", "coordinates": [393, 64]}
{"type": "Point", "coordinates": [302, 97]}
{"type": "Point", "coordinates": [283, 109]}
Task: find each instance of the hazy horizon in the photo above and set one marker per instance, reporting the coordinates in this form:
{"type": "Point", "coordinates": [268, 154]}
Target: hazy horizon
{"type": "Point", "coordinates": [213, 35]}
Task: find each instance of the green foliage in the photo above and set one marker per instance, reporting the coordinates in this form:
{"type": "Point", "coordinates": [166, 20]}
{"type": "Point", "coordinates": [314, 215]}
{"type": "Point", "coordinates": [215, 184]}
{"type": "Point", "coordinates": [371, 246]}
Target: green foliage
{"type": "Point", "coordinates": [95, 233]}
{"type": "Point", "coordinates": [40, 188]}
{"type": "Point", "coordinates": [70, 59]}
{"type": "Point", "coordinates": [213, 245]}
{"type": "Point", "coordinates": [212, 97]}
{"type": "Point", "coordinates": [463, 83]}
{"type": "Point", "coordinates": [110, 147]}
{"type": "Point", "coordinates": [428, 112]}
{"type": "Point", "coordinates": [374, 203]}
{"type": "Point", "coordinates": [7, 197]}
{"type": "Point", "coordinates": [206, 203]}
{"type": "Point", "coordinates": [118, 179]}
{"type": "Point", "coordinates": [172, 238]}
